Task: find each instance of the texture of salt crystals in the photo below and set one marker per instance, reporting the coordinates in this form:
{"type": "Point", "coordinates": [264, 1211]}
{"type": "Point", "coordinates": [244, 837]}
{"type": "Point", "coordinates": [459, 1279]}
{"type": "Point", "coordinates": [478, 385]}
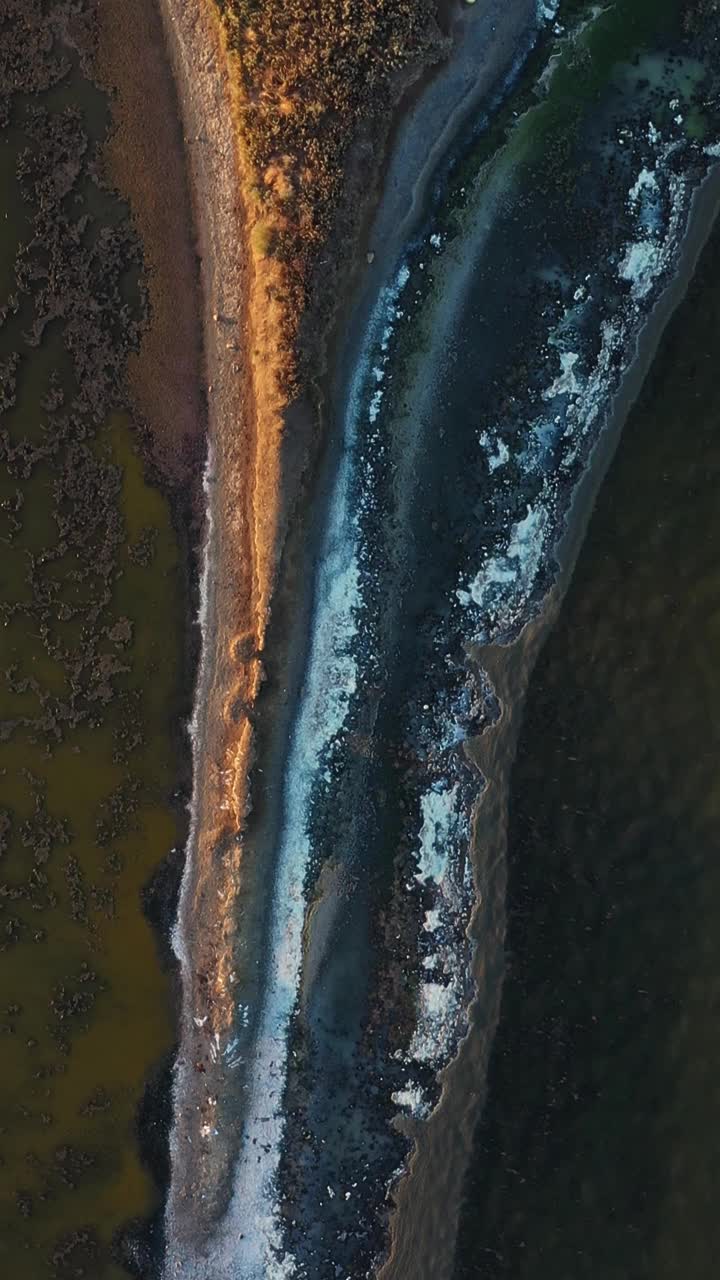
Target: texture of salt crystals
{"type": "Point", "coordinates": [441, 1016]}
{"type": "Point", "coordinates": [374, 406]}
{"type": "Point", "coordinates": [506, 580]}
{"type": "Point", "coordinates": [432, 920]}
{"type": "Point", "coordinates": [388, 309]}
{"type": "Point", "coordinates": [641, 265]}
{"type": "Point", "coordinates": [645, 259]}
{"type": "Point", "coordinates": [645, 181]}
{"type": "Point", "coordinates": [331, 681]}
{"type": "Point", "coordinates": [547, 10]}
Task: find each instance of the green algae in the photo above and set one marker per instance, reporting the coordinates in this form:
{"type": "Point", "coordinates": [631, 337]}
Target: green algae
{"type": "Point", "coordinates": [590, 48]}
{"type": "Point", "coordinates": [92, 607]}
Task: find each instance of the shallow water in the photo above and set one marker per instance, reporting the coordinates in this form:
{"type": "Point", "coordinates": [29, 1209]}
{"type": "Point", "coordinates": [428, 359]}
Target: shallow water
{"type": "Point", "coordinates": [596, 1155]}
{"type": "Point", "coordinates": [91, 618]}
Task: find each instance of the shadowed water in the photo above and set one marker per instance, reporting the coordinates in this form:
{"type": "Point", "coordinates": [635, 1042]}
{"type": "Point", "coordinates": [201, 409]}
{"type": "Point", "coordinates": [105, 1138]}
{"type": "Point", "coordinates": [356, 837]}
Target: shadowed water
{"type": "Point", "coordinates": [597, 1153]}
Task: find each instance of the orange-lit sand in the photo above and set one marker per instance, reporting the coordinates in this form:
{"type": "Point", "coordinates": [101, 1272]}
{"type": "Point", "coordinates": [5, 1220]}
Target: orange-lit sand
{"type": "Point", "coordinates": [245, 431]}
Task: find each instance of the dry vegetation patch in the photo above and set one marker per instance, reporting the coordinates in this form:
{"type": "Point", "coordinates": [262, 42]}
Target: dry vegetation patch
{"type": "Point", "coordinates": [307, 79]}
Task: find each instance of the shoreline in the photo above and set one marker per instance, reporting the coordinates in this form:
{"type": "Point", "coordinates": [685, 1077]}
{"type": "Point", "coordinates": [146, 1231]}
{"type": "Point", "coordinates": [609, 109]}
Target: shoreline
{"type": "Point", "coordinates": [214, 852]}
{"type": "Point", "coordinates": [164, 383]}
{"type": "Point", "coordinates": [225, 737]}
{"type": "Point", "coordinates": [250, 486]}
{"type": "Point", "coordinates": [452, 1124]}
{"type": "Point", "coordinates": [212, 167]}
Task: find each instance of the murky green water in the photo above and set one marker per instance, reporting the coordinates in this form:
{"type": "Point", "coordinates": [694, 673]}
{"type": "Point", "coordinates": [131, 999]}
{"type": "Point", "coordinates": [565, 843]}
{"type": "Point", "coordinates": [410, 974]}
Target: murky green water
{"type": "Point", "coordinates": [597, 1155]}
{"type": "Point", "coordinates": [92, 608]}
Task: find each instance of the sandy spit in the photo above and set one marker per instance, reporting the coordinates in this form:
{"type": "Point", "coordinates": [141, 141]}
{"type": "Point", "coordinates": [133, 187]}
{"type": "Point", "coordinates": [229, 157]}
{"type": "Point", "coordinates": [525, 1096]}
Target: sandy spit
{"type": "Point", "coordinates": [248, 499]}
{"type": "Point", "coordinates": [239, 557]}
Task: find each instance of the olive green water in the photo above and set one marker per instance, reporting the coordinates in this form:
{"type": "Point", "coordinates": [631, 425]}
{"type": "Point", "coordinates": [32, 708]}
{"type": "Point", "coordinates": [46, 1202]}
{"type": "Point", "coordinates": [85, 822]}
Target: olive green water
{"type": "Point", "coordinates": [598, 1154]}
{"type": "Point", "coordinates": [92, 602]}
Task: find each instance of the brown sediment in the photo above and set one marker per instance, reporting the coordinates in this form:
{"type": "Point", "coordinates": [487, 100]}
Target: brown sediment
{"type": "Point", "coordinates": [145, 159]}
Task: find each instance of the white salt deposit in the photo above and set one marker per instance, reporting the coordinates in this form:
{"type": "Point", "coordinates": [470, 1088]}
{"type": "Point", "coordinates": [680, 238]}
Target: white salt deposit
{"type": "Point", "coordinates": [645, 181]}
{"type": "Point", "coordinates": [547, 10]}
{"type": "Point", "coordinates": [432, 920]}
{"type": "Point", "coordinates": [438, 832]}
{"type": "Point", "coordinates": [436, 1027]}
{"type": "Point", "coordinates": [413, 1100]}
{"type": "Point", "coordinates": [640, 266]}
{"type": "Point", "coordinates": [566, 382]}
{"type": "Point", "coordinates": [501, 453]}
{"type": "Point", "coordinates": [331, 681]}
{"type": "Point", "coordinates": [506, 580]}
